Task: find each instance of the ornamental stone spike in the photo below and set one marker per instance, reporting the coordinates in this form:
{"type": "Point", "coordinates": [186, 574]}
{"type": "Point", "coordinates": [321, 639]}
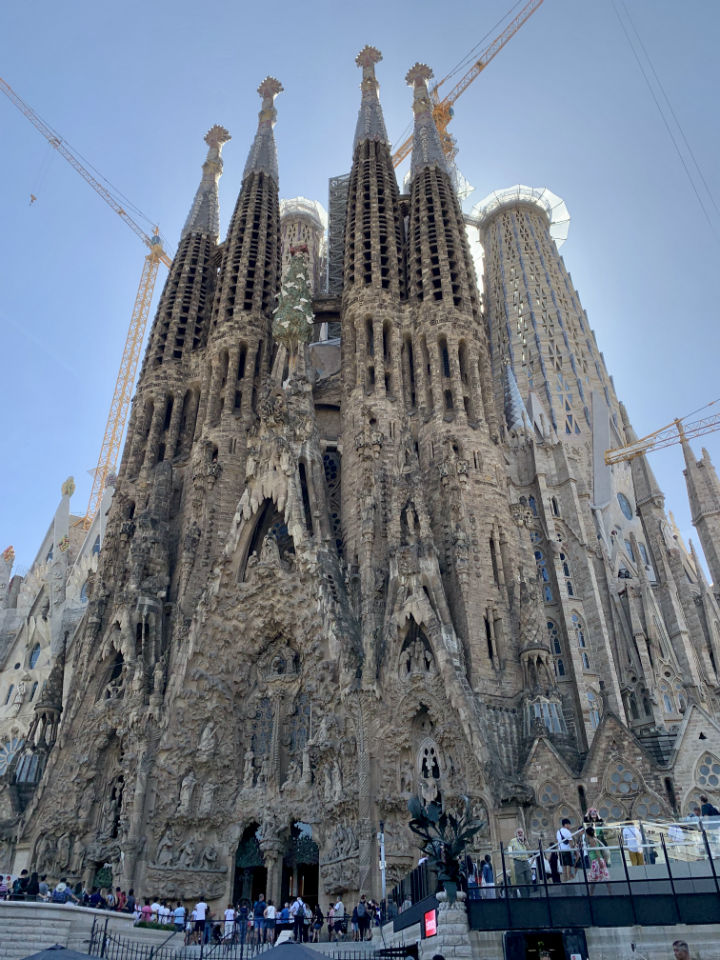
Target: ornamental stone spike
{"type": "Point", "coordinates": [370, 122]}
{"type": "Point", "coordinates": [263, 153]}
{"type": "Point", "coordinates": [204, 216]}
{"type": "Point", "coordinates": [427, 149]}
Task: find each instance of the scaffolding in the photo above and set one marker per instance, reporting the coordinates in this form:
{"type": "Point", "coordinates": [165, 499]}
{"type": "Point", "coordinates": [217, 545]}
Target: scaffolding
{"type": "Point", "coordinates": [337, 207]}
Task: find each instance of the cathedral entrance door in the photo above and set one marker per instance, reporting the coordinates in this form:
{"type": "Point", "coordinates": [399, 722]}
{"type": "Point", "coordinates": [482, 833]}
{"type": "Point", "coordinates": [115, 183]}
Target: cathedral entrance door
{"type": "Point", "coordinates": [301, 872]}
{"type": "Point", "coordinates": [250, 871]}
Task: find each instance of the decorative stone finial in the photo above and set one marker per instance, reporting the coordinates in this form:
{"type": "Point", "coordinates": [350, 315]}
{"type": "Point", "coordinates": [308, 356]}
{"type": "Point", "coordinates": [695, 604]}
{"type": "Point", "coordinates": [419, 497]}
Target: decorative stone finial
{"type": "Point", "coordinates": [217, 136]}
{"type": "Point", "coordinates": [8, 556]}
{"type": "Point", "coordinates": [370, 124]}
{"type": "Point", "coordinates": [419, 73]}
{"type": "Point", "coordinates": [68, 488]}
{"type": "Point", "coordinates": [263, 153]}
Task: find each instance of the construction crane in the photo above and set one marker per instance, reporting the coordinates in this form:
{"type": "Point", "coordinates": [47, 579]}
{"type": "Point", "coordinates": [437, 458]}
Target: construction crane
{"type": "Point", "coordinates": [674, 432]}
{"type": "Point", "coordinates": [443, 109]}
{"type": "Point", "coordinates": [120, 405]}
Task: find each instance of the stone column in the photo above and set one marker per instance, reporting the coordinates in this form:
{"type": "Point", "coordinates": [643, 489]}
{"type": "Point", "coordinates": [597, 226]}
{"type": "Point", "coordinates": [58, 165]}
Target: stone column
{"type": "Point", "coordinates": [453, 931]}
{"type": "Point", "coordinates": [273, 853]}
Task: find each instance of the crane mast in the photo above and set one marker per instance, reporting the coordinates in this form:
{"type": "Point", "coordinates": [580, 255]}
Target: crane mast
{"type": "Point", "coordinates": [122, 395]}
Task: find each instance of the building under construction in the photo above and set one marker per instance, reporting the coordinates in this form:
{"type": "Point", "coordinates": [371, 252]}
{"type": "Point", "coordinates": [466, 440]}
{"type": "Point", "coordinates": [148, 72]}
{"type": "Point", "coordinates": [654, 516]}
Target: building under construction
{"type": "Point", "coordinates": [364, 545]}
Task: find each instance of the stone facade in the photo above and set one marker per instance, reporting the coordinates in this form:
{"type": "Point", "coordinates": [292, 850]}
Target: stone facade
{"type": "Point", "coordinates": [339, 574]}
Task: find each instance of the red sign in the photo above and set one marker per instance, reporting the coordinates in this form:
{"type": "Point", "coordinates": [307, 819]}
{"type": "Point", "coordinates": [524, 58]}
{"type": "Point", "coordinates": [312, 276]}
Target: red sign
{"type": "Point", "coordinates": [430, 923]}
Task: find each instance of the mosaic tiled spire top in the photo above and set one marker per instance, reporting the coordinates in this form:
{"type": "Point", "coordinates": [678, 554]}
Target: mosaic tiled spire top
{"type": "Point", "coordinates": [370, 123]}
{"type": "Point", "coordinates": [204, 216]}
{"type": "Point", "coordinates": [263, 153]}
{"type": "Point", "coordinates": [427, 149]}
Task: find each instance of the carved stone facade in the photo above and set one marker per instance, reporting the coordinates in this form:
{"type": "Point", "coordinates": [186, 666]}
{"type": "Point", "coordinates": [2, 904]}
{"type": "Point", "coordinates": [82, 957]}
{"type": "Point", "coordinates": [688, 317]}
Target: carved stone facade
{"type": "Point", "coordinates": [327, 587]}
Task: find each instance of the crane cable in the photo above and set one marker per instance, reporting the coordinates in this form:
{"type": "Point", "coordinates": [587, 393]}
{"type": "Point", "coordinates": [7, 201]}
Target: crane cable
{"type": "Point", "coordinates": [664, 118]}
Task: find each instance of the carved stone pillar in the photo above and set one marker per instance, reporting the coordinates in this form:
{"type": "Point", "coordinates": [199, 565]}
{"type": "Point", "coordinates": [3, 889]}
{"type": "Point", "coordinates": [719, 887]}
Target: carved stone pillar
{"type": "Point", "coordinates": [273, 853]}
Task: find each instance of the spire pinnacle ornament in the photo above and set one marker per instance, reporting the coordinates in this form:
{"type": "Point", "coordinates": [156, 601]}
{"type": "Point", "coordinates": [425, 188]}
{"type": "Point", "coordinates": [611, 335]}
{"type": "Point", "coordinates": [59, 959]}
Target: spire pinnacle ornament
{"type": "Point", "coordinates": [204, 216]}
{"type": "Point", "coordinates": [427, 149]}
{"type": "Point", "coordinates": [370, 123]}
{"type": "Point", "coordinates": [263, 153]}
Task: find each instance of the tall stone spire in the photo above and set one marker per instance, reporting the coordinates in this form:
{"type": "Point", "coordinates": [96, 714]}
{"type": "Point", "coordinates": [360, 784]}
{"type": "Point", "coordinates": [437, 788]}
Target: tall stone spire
{"type": "Point", "coordinates": [263, 153]}
{"type": "Point", "coordinates": [204, 216]}
{"type": "Point", "coordinates": [703, 489]}
{"type": "Point", "coordinates": [370, 122]}
{"type": "Point", "coordinates": [427, 149]}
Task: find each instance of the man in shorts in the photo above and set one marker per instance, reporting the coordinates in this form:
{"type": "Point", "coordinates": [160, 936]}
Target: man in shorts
{"type": "Point", "coordinates": [565, 850]}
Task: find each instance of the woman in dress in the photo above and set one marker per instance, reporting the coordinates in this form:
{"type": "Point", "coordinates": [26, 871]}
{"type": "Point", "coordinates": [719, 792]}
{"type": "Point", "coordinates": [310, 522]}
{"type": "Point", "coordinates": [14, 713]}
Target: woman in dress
{"type": "Point", "coordinates": [598, 854]}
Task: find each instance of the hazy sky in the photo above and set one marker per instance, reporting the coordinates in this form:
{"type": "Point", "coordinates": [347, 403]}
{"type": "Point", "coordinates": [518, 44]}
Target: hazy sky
{"type": "Point", "coordinates": [134, 86]}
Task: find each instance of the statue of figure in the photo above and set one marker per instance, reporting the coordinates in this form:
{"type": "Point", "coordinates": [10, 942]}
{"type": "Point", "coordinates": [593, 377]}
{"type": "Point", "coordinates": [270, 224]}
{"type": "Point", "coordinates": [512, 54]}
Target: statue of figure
{"type": "Point", "coordinates": [158, 677]}
{"type": "Point", "coordinates": [208, 743]}
{"type": "Point", "coordinates": [206, 799]}
{"type": "Point", "coordinates": [328, 785]}
{"type": "Point", "coordinates": [165, 849]}
{"type": "Point", "coordinates": [62, 853]}
{"type": "Point", "coordinates": [337, 780]}
{"type": "Point", "coordinates": [208, 858]}
{"type": "Point", "coordinates": [306, 766]}
{"type": "Point", "coordinates": [249, 769]}
{"type": "Point", "coordinates": [187, 788]}
{"type": "Point", "coordinates": [186, 855]}
{"type": "Point", "coordinates": [108, 817]}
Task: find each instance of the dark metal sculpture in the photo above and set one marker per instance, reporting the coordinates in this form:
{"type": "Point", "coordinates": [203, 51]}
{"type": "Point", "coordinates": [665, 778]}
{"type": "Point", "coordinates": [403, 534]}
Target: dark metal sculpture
{"type": "Point", "coordinates": [444, 838]}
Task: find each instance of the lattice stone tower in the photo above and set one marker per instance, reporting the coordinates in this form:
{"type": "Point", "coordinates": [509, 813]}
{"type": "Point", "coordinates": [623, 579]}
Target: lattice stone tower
{"type": "Point", "coordinates": [389, 560]}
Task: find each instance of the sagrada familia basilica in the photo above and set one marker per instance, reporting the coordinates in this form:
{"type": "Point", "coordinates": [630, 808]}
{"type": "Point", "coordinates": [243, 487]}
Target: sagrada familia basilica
{"type": "Point", "coordinates": [363, 544]}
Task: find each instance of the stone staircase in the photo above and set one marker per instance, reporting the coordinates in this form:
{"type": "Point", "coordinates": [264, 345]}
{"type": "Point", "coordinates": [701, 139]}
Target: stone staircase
{"type": "Point", "coordinates": [24, 936]}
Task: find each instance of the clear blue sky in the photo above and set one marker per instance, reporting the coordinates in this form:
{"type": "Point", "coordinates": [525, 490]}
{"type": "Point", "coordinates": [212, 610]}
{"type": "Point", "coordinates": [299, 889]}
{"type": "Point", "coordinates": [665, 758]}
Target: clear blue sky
{"type": "Point", "coordinates": [135, 86]}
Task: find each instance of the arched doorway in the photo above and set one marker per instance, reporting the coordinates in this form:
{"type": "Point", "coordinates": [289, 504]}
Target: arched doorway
{"type": "Point", "coordinates": [301, 871]}
{"type": "Point", "coordinates": [250, 872]}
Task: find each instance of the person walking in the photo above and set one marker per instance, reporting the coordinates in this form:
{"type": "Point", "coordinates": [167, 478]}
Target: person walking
{"type": "Point", "coordinates": [564, 839]}
{"type": "Point", "coordinates": [487, 879]}
{"type": "Point", "coordinates": [363, 919]}
{"type": "Point", "coordinates": [632, 841]}
{"type": "Point", "coordinates": [259, 917]}
{"type": "Point", "coordinates": [598, 855]}
{"type": "Point", "coordinates": [270, 922]}
{"type": "Point", "coordinates": [297, 912]}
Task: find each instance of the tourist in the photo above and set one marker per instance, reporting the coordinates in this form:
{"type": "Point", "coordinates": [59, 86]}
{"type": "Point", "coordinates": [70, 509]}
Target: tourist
{"type": "Point", "coordinates": [43, 889]}
{"type": "Point", "coordinates": [331, 922]}
{"type": "Point", "coordinates": [297, 912]}
{"type": "Point", "coordinates": [19, 888]}
{"type": "Point", "coordinates": [354, 924]}
{"type": "Point", "coordinates": [598, 855]}
{"type": "Point", "coordinates": [363, 919]}
{"type": "Point", "coordinates": [230, 917]}
{"type": "Point", "coordinates": [120, 900]}
{"type": "Point", "coordinates": [564, 839]}
{"type": "Point", "coordinates": [339, 918]}
{"type": "Point", "coordinates": [190, 935]}
{"type": "Point", "coordinates": [317, 925]}
{"type": "Point", "coordinates": [137, 913]}
{"type": "Point", "coordinates": [487, 879]}
{"type": "Point", "coordinates": [201, 918]}
{"type": "Point", "coordinates": [62, 893]}
{"type": "Point", "coordinates": [155, 906]}
{"type": "Point", "coordinates": [270, 922]}
{"type": "Point", "coordinates": [520, 862]}
{"type": "Point", "coordinates": [241, 919]}
{"type": "Point", "coordinates": [146, 913]}
{"type": "Point", "coordinates": [165, 914]}
{"type": "Point", "coordinates": [179, 914]}
{"type": "Point", "coordinates": [259, 917]}
{"type": "Point", "coordinates": [632, 841]}
{"type": "Point", "coordinates": [33, 887]}
{"type": "Point", "coordinates": [681, 951]}
{"type": "Point", "coordinates": [5, 887]}
{"type": "Point", "coordinates": [130, 903]}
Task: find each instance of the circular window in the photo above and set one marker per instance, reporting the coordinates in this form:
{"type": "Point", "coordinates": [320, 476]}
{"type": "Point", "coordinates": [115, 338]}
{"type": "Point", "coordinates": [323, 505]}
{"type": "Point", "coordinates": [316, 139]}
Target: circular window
{"type": "Point", "coordinates": [625, 506]}
{"type": "Point", "coordinates": [17, 666]}
{"type": "Point", "coordinates": [549, 796]}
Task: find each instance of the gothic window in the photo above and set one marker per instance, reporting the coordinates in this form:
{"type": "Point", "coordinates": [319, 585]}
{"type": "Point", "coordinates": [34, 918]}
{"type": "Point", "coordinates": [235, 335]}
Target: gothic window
{"type": "Point", "coordinates": [331, 465]}
{"type": "Point", "coordinates": [302, 470]}
{"type": "Point", "coordinates": [547, 713]}
{"type": "Point", "coordinates": [9, 693]}
{"type": "Point", "coordinates": [555, 507]}
{"type": "Point", "coordinates": [646, 808]}
{"type": "Point", "coordinates": [542, 570]}
{"type": "Point", "coordinates": [625, 506]}
{"type": "Point", "coordinates": [643, 553]}
{"type": "Point", "coordinates": [621, 780]}
{"type": "Point", "coordinates": [593, 710]}
{"type": "Point", "coordinates": [34, 656]}
{"type": "Point", "coordinates": [707, 772]}
{"type": "Point", "coordinates": [555, 647]}
{"type": "Point", "coordinates": [33, 691]}
{"type": "Point", "coordinates": [7, 753]}
{"type": "Point", "coordinates": [549, 795]}
{"type": "Point", "coordinates": [428, 761]}
{"type": "Point", "coordinates": [262, 727]}
{"type": "Point", "coordinates": [667, 700]}
{"type": "Point", "coordinates": [532, 503]}
{"type": "Point", "coordinates": [629, 550]}
{"type": "Point", "coordinates": [96, 546]}
{"type": "Point", "coordinates": [580, 637]}
{"type": "Point", "coordinates": [566, 574]}
{"type": "Point", "coordinates": [84, 593]}
{"type": "Point", "coordinates": [610, 809]}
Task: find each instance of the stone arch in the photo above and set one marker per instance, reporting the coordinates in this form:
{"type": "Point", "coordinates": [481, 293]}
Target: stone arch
{"type": "Point", "coordinates": [610, 807]}
{"type": "Point", "coordinates": [648, 806]}
{"type": "Point", "coordinates": [267, 521]}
